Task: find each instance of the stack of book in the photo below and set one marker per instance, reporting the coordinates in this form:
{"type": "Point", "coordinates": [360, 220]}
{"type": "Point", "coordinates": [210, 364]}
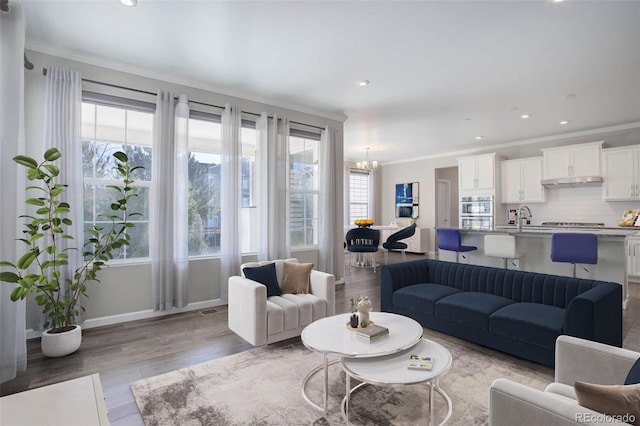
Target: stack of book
{"type": "Point", "coordinates": [372, 333]}
{"type": "Point", "coordinates": [418, 362]}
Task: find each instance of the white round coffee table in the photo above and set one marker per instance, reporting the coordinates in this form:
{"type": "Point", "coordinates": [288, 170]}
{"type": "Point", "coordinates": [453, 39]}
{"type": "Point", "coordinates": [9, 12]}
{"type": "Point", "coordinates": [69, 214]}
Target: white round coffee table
{"type": "Point", "coordinates": [331, 337]}
{"type": "Point", "coordinates": [393, 370]}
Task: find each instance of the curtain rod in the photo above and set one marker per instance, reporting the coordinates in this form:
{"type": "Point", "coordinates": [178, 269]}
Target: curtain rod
{"type": "Point", "coordinates": [44, 72]}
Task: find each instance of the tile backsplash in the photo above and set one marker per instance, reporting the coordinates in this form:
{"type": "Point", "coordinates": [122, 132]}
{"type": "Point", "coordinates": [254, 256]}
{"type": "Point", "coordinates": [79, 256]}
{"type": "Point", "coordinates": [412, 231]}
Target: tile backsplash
{"type": "Point", "coordinates": [577, 205]}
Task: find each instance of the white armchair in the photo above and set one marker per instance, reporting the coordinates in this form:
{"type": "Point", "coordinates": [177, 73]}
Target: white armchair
{"type": "Point", "coordinates": [512, 403]}
{"type": "Point", "coordinates": [260, 320]}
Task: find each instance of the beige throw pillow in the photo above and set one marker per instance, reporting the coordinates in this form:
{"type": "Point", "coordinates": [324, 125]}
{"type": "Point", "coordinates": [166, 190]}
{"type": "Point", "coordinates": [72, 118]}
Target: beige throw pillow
{"type": "Point", "coordinates": [295, 277]}
{"type": "Point", "coordinates": [620, 401]}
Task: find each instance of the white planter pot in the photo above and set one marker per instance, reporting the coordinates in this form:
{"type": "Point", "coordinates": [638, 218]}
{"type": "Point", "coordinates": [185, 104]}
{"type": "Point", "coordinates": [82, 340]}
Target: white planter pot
{"type": "Point", "coordinates": [61, 344]}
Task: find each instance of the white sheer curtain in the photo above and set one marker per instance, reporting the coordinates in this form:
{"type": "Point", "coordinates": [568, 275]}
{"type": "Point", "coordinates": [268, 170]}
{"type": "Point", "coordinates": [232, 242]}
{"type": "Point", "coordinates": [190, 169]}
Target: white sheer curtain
{"type": "Point", "coordinates": [168, 239]}
{"type": "Point", "coordinates": [230, 198]}
{"type": "Point", "coordinates": [346, 196]}
{"type": "Point", "coordinates": [181, 203]}
{"type": "Point", "coordinates": [273, 136]}
{"type": "Point", "coordinates": [262, 161]}
{"type": "Point", "coordinates": [13, 349]}
{"type": "Point", "coordinates": [331, 228]}
{"type": "Point", "coordinates": [61, 129]}
{"type": "Point", "coordinates": [373, 196]}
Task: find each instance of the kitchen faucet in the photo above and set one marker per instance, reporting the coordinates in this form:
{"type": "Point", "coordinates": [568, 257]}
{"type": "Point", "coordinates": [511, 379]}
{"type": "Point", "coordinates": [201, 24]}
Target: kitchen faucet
{"type": "Point", "coordinates": [527, 215]}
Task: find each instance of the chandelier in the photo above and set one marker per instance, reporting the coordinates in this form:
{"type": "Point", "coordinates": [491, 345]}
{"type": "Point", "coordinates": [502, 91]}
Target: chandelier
{"type": "Point", "coordinates": [366, 164]}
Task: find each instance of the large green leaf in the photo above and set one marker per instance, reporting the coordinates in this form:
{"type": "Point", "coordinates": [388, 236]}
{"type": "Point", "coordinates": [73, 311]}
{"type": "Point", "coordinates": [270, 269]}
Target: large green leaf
{"type": "Point", "coordinates": [35, 237]}
{"type": "Point", "coordinates": [52, 154]}
{"type": "Point", "coordinates": [56, 191]}
{"type": "Point", "coordinates": [5, 263]}
{"type": "Point", "coordinates": [27, 259]}
{"type": "Point", "coordinates": [26, 161]}
{"type": "Point", "coordinates": [121, 156]}
{"type": "Point", "coordinates": [34, 174]}
{"type": "Point", "coordinates": [53, 170]}
{"type": "Point", "coordinates": [16, 293]}
{"type": "Point", "coordinates": [34, 201]}
{"type": "Point", "coordinates": [9, 277]}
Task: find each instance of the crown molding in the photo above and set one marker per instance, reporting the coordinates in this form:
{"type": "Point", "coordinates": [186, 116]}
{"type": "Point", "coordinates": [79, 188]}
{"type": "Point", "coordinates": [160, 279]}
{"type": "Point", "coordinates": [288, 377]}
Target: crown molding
{"type": "Point", "coordinates": [109, 63]}
{"type": "Point", "coordinates": [540, 140]}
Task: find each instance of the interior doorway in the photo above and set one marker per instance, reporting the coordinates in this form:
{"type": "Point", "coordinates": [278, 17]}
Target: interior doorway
{"type": "Point", "coordinates": [443, 214]}
{"type": "Point", "coordinates": [446, 190]}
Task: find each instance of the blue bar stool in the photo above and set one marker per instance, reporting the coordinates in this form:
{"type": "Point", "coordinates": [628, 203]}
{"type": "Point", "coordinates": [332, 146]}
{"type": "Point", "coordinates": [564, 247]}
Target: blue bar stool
{"type": "Point", "coordinates": [574, 248]}
{"type": "Point", "coordinates": [449, 239]}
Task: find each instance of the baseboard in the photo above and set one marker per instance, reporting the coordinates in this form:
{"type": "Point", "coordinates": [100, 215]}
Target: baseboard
{"type": "Point", "coordinates": [133, 316]}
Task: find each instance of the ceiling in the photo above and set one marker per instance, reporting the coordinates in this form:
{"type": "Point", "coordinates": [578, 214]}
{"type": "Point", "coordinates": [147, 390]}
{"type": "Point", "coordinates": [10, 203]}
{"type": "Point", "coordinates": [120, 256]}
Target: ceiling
{"type": "Point", "coordinates": [441, 72]}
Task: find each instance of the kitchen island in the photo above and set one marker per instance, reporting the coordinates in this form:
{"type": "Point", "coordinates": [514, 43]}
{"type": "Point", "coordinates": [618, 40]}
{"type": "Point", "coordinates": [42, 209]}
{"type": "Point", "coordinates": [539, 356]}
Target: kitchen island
{"type": "Point", "coordinates": [534, 248]}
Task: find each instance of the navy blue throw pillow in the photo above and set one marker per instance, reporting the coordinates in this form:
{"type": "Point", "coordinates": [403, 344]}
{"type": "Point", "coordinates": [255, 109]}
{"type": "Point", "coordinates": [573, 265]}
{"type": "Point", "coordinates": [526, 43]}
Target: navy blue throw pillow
{"type": "Point", "coordinates": [634, 374]}
{"type": "Point", "coordinates": [266, 275]}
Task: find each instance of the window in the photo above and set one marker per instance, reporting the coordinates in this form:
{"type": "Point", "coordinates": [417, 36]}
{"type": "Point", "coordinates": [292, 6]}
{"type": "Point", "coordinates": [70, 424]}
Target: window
{"type": "Point", "coordinates": [249, 187]}
{"type": "Point", "coordinates": [304, 194]}
{"type": "Point", "coordinates": [358, 195]}
{"type": "Point", "coordinates": [205, 157]}
{"type": "Point", "coordinates": [105, 130]}
{"type": "Point", "coordinates": [205, 136]}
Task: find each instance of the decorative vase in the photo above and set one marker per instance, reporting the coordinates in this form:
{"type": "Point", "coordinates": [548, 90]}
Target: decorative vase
{"type": "Point", "coordinates": [364, 307]}
{"type": "Point", "coordinates": [56, 345]}
{"type": "Point", "coordinates": [353, 321]}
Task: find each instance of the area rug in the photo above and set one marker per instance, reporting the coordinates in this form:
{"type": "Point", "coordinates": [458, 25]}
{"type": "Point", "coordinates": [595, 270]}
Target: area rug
{"type": "Point", "coordinates": [262, 387]}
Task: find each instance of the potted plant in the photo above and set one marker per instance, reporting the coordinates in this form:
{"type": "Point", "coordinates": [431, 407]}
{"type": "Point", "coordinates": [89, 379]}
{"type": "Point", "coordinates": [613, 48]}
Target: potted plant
{"type": "Point", "coordinates": [41, 269]}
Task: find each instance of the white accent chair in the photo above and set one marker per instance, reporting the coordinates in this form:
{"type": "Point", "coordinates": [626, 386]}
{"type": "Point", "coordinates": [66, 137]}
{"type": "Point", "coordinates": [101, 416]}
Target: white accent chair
{"type": "Point", "coordinates": [260, 320]}
{"type": "Point", "coordinates": [512, 403]}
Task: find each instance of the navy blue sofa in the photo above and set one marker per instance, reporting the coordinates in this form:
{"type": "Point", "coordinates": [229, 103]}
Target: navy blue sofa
{"type": "Point", "coordinates": [517, 312]}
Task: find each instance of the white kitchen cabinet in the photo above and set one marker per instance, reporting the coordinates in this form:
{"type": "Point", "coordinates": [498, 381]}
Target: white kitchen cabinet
{"type": "Point", "coordinates": [571, 161]}
{"type": "Point", "coordinates": [632, 244]}
{"type": "Point", "coordinates": [520, 181]}
{"type": "Point", "coordinates": [477, 172]}
{"type": "Point", "coordinates": [621, 173]}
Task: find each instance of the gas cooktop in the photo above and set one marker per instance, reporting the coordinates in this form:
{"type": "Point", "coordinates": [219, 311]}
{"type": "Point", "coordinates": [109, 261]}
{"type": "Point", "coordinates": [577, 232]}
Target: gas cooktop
{"type": "Point", "coordinates": [573, 224]}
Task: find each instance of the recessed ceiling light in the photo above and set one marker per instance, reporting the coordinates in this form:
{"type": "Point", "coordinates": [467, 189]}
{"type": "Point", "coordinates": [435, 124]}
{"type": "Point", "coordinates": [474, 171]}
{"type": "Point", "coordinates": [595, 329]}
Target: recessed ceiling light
{"type": "Point", "coordinates": [556, 1]}
{"type": "Point", "coordinates": [563, 122]}
{"type": "Point", "coordinates": [478, 137]}
{"type": "Point", "coordinates": [129, 3]}
{"type": "Point", "coordinates": [525, 115]}
{"type": "Point", "coordinates": [363, 83]}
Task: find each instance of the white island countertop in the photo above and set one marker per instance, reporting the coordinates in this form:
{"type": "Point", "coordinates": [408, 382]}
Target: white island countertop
{"type": "Point", "coordinates": [603, 231]}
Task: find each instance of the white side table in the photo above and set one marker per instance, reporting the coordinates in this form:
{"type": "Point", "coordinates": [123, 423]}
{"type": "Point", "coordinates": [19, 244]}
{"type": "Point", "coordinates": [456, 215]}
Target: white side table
{"type": "Point", "coordinates": [393, 370]}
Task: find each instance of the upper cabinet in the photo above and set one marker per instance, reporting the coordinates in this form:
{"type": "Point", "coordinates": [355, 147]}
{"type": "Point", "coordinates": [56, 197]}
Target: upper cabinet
{"type": "Point", "coordinates": [477, 173]}
{"type": "Point", "coordinates": [571, 161]}
{"type": "Point", "coordinates": [521, 181]}
{"type": "Point", "coordinates": [621, 173]}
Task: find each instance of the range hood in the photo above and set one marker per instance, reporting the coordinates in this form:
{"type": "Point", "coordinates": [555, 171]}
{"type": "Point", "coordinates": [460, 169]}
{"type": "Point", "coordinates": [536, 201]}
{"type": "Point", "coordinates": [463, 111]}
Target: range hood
{"type": "Point", "coordinates": [572, 182]}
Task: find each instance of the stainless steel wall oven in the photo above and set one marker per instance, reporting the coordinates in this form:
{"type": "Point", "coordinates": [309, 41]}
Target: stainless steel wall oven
{"type": "Point", "coordinates": [476, 212]}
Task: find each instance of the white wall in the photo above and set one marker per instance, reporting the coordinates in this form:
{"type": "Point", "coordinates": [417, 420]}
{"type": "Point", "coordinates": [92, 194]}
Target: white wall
{"type": "Point", "coordinates": [125, 290]}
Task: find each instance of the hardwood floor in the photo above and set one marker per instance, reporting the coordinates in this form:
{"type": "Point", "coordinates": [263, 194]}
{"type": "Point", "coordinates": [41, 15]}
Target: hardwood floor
{"type": "Point", "coordinates": [125, 353]}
